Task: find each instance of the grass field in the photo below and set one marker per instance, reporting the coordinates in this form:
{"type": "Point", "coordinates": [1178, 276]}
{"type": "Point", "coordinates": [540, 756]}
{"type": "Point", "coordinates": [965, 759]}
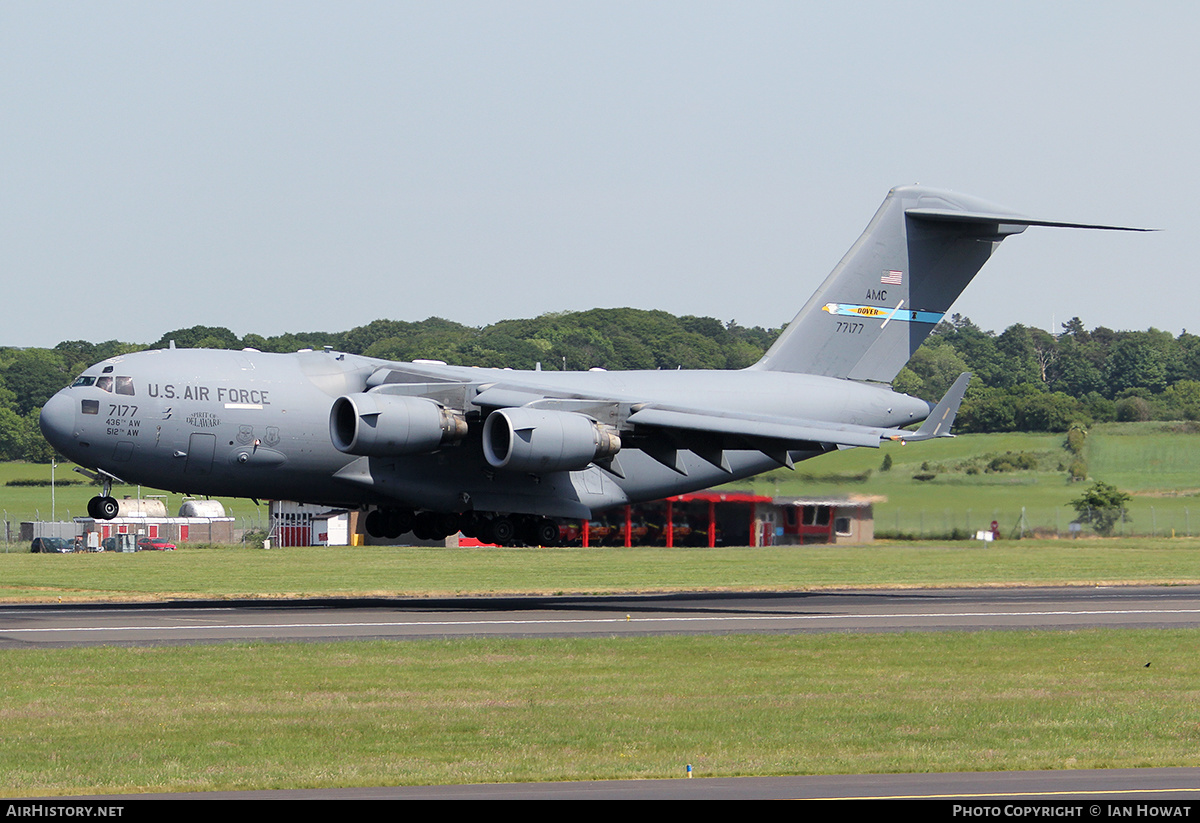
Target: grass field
{"type": "Point", "coordinates": [1157, 463]}
{"type": "Point", "coordinates": [343, 571]}
{"type": "Point", "coordinates": [362, 714]}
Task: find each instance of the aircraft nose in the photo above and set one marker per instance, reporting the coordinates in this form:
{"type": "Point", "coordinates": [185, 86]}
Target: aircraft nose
{"type": "Point", "coordinates": [57, 422]}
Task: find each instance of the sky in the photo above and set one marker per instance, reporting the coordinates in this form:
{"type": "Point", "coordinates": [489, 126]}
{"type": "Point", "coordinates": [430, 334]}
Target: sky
{"type": "Point", "coordinates": [278, 167]}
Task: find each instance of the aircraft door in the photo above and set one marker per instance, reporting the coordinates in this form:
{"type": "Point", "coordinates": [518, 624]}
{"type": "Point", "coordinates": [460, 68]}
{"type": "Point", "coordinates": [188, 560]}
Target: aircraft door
{"type": "Point", "coordinates": [201, 448]}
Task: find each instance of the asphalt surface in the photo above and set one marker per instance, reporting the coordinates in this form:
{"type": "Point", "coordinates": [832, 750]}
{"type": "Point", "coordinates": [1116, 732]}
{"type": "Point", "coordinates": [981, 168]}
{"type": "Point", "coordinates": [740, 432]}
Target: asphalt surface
{"type": "Point", "coordinates": [1095, 788]}
{"type": "Point", "coordinates": [42, 626]}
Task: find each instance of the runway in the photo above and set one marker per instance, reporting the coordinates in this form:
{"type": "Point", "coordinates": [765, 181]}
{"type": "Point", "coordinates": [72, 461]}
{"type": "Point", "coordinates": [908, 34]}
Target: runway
{"type": "Point", "coordinates": [44, 626]}
{"type": "Point", "coordinates": [410, 619]}
{"type": "Point", "coordinates": [1099, 793]}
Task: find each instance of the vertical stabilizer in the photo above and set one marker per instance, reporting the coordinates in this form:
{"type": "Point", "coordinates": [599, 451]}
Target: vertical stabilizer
{"type": "Point", "coordinates": [895, 284]}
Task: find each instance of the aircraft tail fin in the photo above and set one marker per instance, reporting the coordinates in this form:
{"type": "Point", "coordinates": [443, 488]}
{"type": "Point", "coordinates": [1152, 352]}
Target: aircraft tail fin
{"type": "Point", "coordinates": [919, 252]}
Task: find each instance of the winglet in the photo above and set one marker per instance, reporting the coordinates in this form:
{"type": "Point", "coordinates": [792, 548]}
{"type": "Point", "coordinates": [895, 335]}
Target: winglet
{"type": "Point", "coordinates": [939, 421]}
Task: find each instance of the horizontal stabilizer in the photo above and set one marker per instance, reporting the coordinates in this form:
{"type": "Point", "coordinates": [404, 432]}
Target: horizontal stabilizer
{"type": "Point", "coordinates": [952, 216]}
{"type": "Point", "coordinates": [939, 421]}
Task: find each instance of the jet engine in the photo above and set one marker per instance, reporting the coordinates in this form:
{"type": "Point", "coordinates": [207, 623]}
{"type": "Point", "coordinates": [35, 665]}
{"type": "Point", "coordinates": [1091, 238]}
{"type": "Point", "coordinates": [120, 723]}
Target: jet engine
{"type": "Point", "coordinates": [541, 440]}
{"type": "Point", "coordinates": [384, 425]}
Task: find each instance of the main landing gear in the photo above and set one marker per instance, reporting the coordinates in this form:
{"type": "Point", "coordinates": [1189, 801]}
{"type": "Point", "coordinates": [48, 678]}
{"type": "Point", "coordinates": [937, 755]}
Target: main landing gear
{"type": "Point", "coordinates": [504, 530]}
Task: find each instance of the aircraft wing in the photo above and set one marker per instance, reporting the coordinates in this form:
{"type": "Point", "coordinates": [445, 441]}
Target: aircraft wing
{"type": "Point", "coordinates": [708, 434]}
{"type": "Point", "coordinates": [662, 431]}
{"type": "Point", "coordinates": [756, 427]}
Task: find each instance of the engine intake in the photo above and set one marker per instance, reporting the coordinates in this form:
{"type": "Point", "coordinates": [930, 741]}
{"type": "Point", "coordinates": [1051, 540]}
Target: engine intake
{"type": "Point", "coordinates": [384, 425]}
{"type": "Point", "coordinates": [540, 440]}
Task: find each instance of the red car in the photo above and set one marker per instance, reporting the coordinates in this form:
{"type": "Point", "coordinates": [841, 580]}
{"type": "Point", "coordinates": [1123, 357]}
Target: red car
{"type": "Point", "coordinates": [155, 544]}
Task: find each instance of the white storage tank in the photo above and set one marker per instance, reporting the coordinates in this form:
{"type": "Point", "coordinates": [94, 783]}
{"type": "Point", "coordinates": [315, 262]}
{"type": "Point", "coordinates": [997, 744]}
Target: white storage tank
{"type": "Point", "coordinates": [132, 507]}
{"type": "Point", "coordinates": [202, 508]}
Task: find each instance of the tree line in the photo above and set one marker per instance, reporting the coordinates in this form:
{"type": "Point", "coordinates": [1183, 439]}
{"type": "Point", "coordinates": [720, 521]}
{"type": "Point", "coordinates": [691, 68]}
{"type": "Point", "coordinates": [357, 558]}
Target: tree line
{"type": "Point", "coordinates": [1026, 379]}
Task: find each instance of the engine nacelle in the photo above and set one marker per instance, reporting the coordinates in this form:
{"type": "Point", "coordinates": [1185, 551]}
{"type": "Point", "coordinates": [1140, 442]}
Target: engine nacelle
{"type": "Point", "coordinates": [385, 425]}
{"type": "Point", "coordinates": [542, 440]}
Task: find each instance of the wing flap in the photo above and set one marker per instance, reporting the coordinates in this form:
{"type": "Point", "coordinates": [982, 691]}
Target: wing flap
{"type": "Point", "coordinates": [757, 428]}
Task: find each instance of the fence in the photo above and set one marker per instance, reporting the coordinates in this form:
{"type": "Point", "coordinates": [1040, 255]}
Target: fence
{"type": "Point", "coordinates": [1029, 521]}
{"type": "Point", "coordinates": [890, 522]}
{"type": "Point", "coordinates": [11, 539]}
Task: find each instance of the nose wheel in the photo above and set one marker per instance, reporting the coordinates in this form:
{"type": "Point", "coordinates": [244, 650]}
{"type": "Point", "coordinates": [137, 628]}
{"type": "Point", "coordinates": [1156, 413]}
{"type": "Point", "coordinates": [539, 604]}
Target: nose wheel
{"type": "Point", "coordinates": [103, 508]}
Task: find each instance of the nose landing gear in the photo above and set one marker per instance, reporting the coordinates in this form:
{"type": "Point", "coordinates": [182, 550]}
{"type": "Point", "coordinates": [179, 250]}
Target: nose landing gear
{"type": "Point", "coordinates": [104, 506]}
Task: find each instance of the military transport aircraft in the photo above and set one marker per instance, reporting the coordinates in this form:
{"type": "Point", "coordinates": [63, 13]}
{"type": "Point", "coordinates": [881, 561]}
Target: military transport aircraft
{"type": "Point", "coordinates": [496, 453]}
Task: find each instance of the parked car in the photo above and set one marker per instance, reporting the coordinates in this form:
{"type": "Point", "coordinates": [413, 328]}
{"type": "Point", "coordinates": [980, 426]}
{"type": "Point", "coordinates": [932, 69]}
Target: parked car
{"type": "Point", "coordinates": [52, 545]}
{"type": "Point", "coordinates": [155, 544]}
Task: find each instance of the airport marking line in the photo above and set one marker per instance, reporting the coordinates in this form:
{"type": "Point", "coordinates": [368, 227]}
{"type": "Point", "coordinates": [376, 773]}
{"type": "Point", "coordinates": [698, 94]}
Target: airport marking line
{"type": "Point", "coordinates": [602, 621]}
{"type": "Point", "coordinates": [1007, 795]}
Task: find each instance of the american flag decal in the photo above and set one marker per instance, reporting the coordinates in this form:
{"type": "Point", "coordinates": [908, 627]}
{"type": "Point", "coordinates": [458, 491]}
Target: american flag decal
{"type": "Point", "coordinates": [892, 278]}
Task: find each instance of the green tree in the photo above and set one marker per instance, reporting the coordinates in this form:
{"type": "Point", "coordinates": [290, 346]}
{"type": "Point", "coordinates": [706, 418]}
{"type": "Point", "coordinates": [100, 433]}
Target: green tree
{"type": "Point", "coordinates": [200, 337]}
{"type": "Point", "coordinates": [33, 376]}
{"type": "Point", "coordinates": [12, 435]}
{"type": "Point", "coordinates": [1183, 399]}
{"type": "Point", "coordinates": [1102, 506]}
{"type": "Point", "coordinates": [1046, 412]}
{"type": "Point", "coordinates": [932, 370]}
{"type": "Point", "coordinates": [1135, 363]}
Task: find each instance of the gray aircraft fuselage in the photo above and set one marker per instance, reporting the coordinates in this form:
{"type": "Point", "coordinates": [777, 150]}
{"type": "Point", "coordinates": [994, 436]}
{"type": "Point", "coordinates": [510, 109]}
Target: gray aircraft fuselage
{"type": "Point", "coordinates": [253, 424]}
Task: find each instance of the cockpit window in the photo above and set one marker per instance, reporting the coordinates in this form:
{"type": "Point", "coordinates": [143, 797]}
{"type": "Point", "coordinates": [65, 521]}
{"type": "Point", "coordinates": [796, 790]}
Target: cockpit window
{"type": "Point", "coordinates": [125, 385]}
{"type": "Point", "coordinates": [105, 383]}
{"type": "Point", "coordinates": [83, 380]}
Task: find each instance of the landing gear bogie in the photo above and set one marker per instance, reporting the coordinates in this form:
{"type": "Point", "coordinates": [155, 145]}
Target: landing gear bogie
{"type": "Point", "coordinates": [500, 529]}
{"type": "Point", "coordinates": [389, 523]}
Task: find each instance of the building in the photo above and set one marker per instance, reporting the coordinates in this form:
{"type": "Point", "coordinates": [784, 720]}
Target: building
{"type": "Point", "coordinates": [708, 518]}
{"type": "Point", "coordinates": [801, 520]}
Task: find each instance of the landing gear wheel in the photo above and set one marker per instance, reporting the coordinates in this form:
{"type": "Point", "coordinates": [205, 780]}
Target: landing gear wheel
{"type": "Point", "coordinates": [375, 523]}
{"type": "Point", "coordinates": [546, 531]}
{"type": "Point", "coordinates": [397, 523]}
{"type": "Point", "coordinates": [449, 523]}
{"type": "Point", "coordinates": [502, 531]}
{"type": "Point", "coordinates": [471, 525]}
{"type": "Point", "coordinates": [425, 526]}
{"type": "Point", "coordinates": [103, 508]}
